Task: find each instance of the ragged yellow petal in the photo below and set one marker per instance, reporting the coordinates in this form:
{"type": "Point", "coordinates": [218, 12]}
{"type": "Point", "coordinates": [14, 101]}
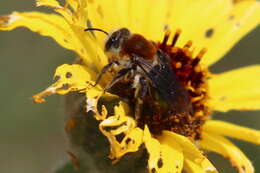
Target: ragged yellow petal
{"type": "Point", "coordinates": [224, 147]}
{"type": "Point", "coordinates": [69, 78]}
{"type": "Point", "coordinates": [121, 124]}
{"type": "Point", "coordinates": [215, 24]}
{"type": "Point", "coordinates": [191, 152]}
{"type": "Point", "coordinates": [232, 130]}
{"type": "Point", "coordinates": [165, 155]}
{"type": "Point", "coordinates": [132, 141]}
{"type": "Point", "coordinates": [92, 97]}
{"type": "Point", "coordinates": [237, 89]}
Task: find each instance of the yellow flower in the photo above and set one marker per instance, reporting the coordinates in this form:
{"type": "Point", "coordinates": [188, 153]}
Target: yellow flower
{"type": "Point", "coordinates": [214, 24]}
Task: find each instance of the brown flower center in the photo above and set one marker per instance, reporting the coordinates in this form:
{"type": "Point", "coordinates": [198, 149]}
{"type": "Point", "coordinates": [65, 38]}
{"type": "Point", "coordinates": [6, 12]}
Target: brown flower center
{"type": "Point", "coordinates": [155, 112]}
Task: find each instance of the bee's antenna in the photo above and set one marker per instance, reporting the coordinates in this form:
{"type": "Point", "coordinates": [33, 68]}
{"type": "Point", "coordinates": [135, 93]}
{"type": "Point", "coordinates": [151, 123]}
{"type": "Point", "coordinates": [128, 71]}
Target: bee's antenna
{"type": "Point", "coordinates": [96, 29]}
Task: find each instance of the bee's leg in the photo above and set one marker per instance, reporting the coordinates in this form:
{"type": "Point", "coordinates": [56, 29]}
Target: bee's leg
{"type": "Point", "coordinates": [162, 57]}
{"type": "Point", "coordinates": [120, 74]}
{"type": "Point", "coordinates": [105, 69]}
{"type": "Point", "coordinates": [142, 90]}
{"type": "Point", "coordinates": [144, 87]}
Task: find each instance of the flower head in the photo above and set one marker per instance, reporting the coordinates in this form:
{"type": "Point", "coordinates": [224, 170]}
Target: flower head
{"type": "Point", "coordinates": [174, 132]}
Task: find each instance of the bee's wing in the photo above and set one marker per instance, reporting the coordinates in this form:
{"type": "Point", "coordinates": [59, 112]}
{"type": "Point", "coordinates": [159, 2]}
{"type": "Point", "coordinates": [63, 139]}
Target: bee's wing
{"type": "Point", "coordinates": [166, 83]}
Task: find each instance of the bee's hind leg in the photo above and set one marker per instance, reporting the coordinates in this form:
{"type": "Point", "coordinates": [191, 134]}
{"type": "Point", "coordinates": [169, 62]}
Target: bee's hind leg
{"type": "Point", "coordinates": [142, 89]}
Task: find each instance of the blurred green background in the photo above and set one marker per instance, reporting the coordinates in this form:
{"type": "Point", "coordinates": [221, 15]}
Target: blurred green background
{"type": "Point", "coordinates": [31, 135]}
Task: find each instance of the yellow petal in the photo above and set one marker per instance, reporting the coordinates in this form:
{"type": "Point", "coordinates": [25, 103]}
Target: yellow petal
{"type": "Point", "coordinates": [215, 24]}
{"type": "Point", "coordinates": [120, 124]}
{"type": "Point", "coordinates": [246, 16]}
{"type": "Point", "coordinates": [221, 145]}
{"type": "Point", "coordinates": [93, 95]}
{"type": "Point", "coordinates": [80, 12]}
{"type": "Point", "coordinates": [236, 89]}
{"type": "Point", "coordinates": [232, 130]}
{"type": "Point", "coordinates": [88, 49]}
{"type": "Point", "coordinates": [191, 152]}
{"type": "Point", "coordinates": [69, 78]}
{"type": "Point", "coordinates": [164, 156]}
{"type": "Point", "coordinates": [154, 19]}
{"type": "Point", "coordinates": [45, 24]}
{"type": "Point", "coordinates": [101, 14]}
{"type": "Point", "coordinates": [66, 13]}
{"type": "Point", "coordinates": [192, 167]}
{"type": "Point", "coordinates": [50, 3]}
{"type": "Point", "coordinates": [139, 16]}
{"type": "Point", "coordinates": [72, 3]}
{"type": "Point", "coordinates": [69, 36]}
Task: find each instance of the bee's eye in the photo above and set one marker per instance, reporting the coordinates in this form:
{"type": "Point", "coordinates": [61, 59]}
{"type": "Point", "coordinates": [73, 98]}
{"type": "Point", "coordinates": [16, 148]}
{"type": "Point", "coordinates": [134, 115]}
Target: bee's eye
{"type": "Point", "coordinates": [116, 39]}
{"type": "Point", "coordinates": [113, 41]}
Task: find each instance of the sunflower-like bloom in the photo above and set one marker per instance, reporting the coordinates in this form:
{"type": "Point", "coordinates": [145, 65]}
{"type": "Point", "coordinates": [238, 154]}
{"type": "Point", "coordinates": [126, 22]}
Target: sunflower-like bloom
{"type": "Point", "coordinates": [178, 143]}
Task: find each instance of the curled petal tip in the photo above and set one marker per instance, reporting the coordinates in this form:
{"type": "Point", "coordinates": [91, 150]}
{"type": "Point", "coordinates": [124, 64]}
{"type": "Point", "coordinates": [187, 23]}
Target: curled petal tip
{"type": "Point", "coordinates": [37, 99]}
{"type": "Point", "coordinates": [7, 20]}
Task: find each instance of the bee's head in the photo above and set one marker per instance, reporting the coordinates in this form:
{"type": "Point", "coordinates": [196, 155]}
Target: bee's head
{"type": "Point", "coordinates": [115, 40]}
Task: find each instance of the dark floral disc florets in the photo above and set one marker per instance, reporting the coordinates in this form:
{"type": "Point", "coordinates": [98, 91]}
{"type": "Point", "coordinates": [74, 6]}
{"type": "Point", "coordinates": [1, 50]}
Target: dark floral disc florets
{"type": "Point", "coordinates": [155, 112]}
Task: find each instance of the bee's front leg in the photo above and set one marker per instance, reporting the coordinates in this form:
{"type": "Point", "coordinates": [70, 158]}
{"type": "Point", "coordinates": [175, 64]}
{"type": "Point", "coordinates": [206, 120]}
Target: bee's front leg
{"type": "Point", "coordinates": [109, 66]}
{"type": "Point", "coordinates": [119, 75]}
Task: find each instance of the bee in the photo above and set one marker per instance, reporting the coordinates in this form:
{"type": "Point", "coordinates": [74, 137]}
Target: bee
{"type": "Point", "coordinates": [139, 60]}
